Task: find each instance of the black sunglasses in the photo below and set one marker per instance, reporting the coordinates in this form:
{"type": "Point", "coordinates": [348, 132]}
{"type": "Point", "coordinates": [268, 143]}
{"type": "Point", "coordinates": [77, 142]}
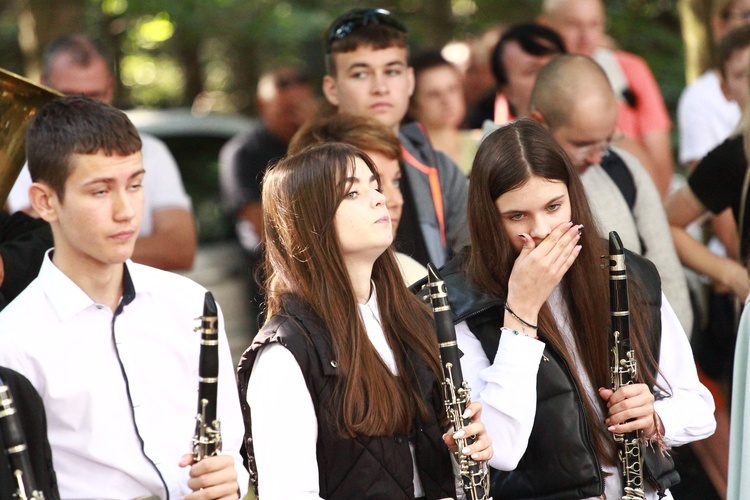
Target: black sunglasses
{"type": "Point", "coordinates": [359, 18]}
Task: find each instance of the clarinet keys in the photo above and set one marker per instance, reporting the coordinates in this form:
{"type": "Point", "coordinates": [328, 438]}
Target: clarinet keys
{"type": "Point", "coordinates": [207, 438]}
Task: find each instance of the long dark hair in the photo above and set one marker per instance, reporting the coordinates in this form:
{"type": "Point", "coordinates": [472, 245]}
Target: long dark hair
{"type": "Point", "coordinates": [506, 160]}
{"type": "Point", "coordinates": [300, 197]}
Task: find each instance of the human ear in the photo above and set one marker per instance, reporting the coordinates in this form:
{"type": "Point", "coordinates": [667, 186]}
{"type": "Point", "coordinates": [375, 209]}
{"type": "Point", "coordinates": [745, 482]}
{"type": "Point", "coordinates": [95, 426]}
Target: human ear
{"type": "Point", "coordinates": [44, 201]}
{"type": "Point", "coordinates": [411, 80]}
{"type": "Point", "coordinates": [330, 90]}
{"type": "Point", "coordinates": [538, 117]}
{"type": "Point", "coordinates": [724, 88]}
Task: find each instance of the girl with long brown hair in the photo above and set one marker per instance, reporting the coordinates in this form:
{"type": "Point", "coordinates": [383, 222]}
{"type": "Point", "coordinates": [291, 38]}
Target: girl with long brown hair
{"type": "Point", "coordinates": [532, 304]}
{"type": "Point", "coordinates": [340, 388]}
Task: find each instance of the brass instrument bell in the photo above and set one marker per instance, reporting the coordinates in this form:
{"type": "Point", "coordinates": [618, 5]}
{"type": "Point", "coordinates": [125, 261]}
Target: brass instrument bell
{"type": "Point", "coordinates": [19, 101]}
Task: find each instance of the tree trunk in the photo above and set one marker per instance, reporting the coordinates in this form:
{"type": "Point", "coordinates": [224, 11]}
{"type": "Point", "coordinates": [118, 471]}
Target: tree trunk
{"type": "Point", "coordinates": [697, 34]}
{"type": "Point", "coordinates": [40, 22]}
{"type": "Point", "coordinates": [188, 52]}
{"type": "Point", "coordinates": [438, 22]}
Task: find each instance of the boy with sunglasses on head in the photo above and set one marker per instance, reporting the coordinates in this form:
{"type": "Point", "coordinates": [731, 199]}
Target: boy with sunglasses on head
{"type": "Point", "coordinates": [368, 74]}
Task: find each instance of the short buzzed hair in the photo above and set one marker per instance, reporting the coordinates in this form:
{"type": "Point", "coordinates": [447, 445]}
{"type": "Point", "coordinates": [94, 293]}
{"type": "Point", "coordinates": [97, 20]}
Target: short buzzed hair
{"type": "Point", "coordinates": [75, 125]}
{"type": "Point", "coordinates": [82, 48]}
{"type": "Point", "coordinates": [558, 83]}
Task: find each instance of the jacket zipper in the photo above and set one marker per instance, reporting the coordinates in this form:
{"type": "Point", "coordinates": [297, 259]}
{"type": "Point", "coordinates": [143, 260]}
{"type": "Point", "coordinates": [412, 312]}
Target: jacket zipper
{"type": "Point", "coordinates": [589, 439]}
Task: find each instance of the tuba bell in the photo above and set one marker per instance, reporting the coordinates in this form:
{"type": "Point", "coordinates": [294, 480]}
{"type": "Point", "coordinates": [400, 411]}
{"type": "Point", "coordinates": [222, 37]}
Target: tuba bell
{"type": "Point", "coordinates": [19, 101]}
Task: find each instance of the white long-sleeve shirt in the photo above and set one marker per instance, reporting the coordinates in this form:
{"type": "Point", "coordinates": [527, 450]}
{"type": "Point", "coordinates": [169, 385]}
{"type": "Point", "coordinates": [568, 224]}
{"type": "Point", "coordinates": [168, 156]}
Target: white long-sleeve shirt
{"type": "Point", "coordinates": [293, 447]}
{"type": "Point", "coordinates": [507, 390]}
{"type": "Point", "coordinates": [119, 390]}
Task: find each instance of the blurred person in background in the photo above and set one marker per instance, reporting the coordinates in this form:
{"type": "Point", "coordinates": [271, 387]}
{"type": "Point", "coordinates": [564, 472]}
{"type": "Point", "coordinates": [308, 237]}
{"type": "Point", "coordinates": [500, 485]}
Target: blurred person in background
{"type": "Point", "coordinates": [285, 100]}
{"type": "Point", "coordinates": [718, 182]}
{"type": "Point", "coordinates": [641, 114]}
{"type": "Point", "coordinates": [479, 83]}
{"type": "Point", "coordinates": [78, 64]}
{"type": "Point", "coordinates": [706, 114]}
{"type": "Point", "coordinates": [521, 52]}
{"type": "Point", "coordinates": [438, 105]}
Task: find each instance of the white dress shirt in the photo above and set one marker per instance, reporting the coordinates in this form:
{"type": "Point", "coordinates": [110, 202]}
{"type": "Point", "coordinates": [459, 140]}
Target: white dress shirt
{"type": "Point", "coordinates": [293, 447]}
{"type": "Point", "coordinates": [120, 391]}
{"type": "Point", "coordinates": [507, 389]}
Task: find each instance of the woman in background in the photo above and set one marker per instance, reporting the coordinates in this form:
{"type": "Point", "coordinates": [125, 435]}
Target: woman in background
{"type": "Point", "coordinates": [438, 104]}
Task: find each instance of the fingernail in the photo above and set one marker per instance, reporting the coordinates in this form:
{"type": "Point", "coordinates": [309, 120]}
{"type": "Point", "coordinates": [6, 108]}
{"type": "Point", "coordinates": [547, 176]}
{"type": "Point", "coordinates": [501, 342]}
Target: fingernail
{"type": "Point", "coordinates": [611, 428]}
{"type": "Point", "coordinates": [475, 456]}
{"type": "Point", "coordinates": [467, 413]}
{"type": "Point", "coordinates": [459, 434]}
{"type": "Point", "coordinates": [466, 450]}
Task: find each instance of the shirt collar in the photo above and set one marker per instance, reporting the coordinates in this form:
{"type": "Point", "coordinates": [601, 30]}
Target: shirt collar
{"type": "Point", "coordinates": [372, 304]}
{"type": "Point", "coordinates": [67, 298]}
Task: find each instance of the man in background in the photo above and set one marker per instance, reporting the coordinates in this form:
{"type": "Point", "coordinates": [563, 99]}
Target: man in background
{"type": "Point", "coordinates": [77, 64]}
{"type": "Point", "coordinates": [573, 99]}
{"type": "Point", "coordinates": [285, 101]}
{"type": "Point", "coordinates": [641, 112]}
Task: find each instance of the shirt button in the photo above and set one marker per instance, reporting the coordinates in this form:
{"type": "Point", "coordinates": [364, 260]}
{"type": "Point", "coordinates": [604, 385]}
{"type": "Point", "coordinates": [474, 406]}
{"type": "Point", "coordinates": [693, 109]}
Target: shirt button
{"type": "Point", "coordinates": [334, 363]}
{"type": "Point", "coordinates": [399, 439]}
{"type": "Point", "coordinates": [99, 306]}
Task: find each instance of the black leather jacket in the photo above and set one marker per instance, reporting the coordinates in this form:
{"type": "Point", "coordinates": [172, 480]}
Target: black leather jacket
{"type": "Point", "coordinates": [362, 467]}
{"type": "Point", "coordinates": [560, 461]}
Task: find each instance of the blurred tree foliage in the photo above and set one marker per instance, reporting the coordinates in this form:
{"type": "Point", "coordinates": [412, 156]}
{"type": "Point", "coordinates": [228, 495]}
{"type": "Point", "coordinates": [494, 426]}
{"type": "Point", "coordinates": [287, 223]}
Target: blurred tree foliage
{"type": "Point", "coordinates": [208, 53]}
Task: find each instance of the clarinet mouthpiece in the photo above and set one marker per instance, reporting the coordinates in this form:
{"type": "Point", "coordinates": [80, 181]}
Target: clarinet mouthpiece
{"type": "Point", "coordinates": [209, 305]}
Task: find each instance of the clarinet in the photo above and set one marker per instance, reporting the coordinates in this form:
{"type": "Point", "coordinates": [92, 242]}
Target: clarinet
{"type": "Point", "coordinates": [207, 438]}
{"type": "Point", "coordinates": [15, 447]}
{"type": "Point", "coordinates": [624, 367]}
{"type": "Point", "coordinates": [474, 477]}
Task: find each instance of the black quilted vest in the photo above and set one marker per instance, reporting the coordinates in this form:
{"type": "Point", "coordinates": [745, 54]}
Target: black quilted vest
{"type": "Point", "coordinates": [559, 462]}
{"type": "Point", "coordinates": [362, 467]}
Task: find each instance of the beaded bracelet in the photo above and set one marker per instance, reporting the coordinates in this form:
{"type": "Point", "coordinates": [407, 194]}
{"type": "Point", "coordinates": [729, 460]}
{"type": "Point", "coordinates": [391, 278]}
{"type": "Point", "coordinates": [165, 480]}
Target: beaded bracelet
{"type": "Point", "coordinates": [518, 318]}
{"type": "Point", "coordinates": [516, 332]}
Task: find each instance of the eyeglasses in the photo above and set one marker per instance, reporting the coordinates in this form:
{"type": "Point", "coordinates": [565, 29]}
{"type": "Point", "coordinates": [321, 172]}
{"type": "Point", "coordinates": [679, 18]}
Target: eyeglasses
{"type": "Point", "coordinates": [359, 18]}
{"type": "Point", "coordinates": [582, 153]}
